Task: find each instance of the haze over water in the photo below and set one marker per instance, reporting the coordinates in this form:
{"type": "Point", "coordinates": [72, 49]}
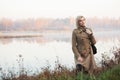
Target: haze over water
{"type": "Point", "coordinates": [41, 51]}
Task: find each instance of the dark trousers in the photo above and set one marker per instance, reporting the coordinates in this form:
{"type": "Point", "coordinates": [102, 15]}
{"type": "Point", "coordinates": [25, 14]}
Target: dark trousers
{"type": "Point", "coordinates": [80, 68]}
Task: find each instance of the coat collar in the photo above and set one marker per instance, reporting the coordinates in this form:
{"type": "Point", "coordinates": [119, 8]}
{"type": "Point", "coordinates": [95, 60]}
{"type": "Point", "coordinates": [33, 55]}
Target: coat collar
{"type": "Point", "coordinates": [82, 28]}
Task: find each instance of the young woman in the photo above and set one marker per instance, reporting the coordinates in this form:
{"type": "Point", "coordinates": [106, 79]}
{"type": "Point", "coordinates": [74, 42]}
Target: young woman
{"type": "Point", "coordinates": [82, 38]}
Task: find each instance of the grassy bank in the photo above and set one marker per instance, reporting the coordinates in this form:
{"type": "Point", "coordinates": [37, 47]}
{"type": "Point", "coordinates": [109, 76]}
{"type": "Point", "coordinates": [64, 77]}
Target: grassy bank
{"type": "Point", "coordinates": [111, 74]}
{"type": "Point", "coordinates": [110, 70]}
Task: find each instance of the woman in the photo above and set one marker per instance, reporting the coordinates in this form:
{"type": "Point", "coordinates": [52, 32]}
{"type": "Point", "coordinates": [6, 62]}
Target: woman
{"type": "Point", "coordinates": [82, 38]}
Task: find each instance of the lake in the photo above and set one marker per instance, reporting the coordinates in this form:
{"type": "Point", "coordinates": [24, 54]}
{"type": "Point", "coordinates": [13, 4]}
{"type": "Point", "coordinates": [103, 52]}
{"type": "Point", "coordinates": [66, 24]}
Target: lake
{"type": "Point", "coordinates": [47, 47]}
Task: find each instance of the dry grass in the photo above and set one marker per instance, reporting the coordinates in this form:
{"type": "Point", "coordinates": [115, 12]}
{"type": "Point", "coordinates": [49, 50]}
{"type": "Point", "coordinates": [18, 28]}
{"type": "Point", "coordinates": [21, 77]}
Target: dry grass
{"type": "Point", "coordinates": [61, 72]}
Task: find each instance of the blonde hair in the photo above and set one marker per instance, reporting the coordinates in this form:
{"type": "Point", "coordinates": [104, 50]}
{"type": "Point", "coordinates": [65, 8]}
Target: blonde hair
{"type": "Point", "coordinates": [77, 20]}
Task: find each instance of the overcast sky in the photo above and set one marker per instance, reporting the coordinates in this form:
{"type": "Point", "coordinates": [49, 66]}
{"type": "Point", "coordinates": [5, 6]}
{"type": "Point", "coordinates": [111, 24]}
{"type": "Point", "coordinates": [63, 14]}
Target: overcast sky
{"type": "Point", "coordinates": [17, 9]}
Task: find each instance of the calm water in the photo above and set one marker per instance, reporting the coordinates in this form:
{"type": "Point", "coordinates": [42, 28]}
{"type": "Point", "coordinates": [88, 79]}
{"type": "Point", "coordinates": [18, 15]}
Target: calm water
{"type": "Point", "coordinates": [38, 52]}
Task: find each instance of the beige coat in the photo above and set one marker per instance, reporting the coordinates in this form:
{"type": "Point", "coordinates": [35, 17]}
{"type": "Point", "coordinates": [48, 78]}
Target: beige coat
{"type": "Point", "coordinates": [81, 45]}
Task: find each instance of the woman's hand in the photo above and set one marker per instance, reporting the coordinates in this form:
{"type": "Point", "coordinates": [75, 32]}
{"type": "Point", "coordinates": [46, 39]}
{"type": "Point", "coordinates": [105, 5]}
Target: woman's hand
{"type": "Point", "coordinates": [89, 31]}
{"type": "Point", "coordinates": [80, 59]}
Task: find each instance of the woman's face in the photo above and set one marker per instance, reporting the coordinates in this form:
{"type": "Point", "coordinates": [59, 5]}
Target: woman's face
{"type": "Point", "coordinates": [81, 22]}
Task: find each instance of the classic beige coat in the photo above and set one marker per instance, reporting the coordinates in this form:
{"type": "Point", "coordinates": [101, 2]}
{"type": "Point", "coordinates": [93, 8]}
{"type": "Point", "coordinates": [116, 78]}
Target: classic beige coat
{"type": "Point", "coordinates": [81, 45]}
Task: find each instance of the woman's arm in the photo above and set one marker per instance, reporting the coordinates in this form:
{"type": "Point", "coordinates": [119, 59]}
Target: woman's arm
{"type": "Point", "coordinates": [91, 36]}
{"type": "Point", "coordinates": [74, 43]}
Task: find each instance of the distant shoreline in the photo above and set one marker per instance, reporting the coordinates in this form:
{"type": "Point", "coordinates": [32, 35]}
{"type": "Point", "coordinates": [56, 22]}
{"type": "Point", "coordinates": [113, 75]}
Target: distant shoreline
{"type": "Point", "coordinates": [19, 36]}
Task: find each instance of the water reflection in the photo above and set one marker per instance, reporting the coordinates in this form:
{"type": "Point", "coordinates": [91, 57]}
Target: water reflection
{"type": "Point", "coordinates": [37, 50]}
{"type": "Point", "coordinates": [51, 36]}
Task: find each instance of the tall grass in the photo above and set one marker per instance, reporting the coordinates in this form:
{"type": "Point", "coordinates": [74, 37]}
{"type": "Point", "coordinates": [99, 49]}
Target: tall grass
{"type": "Point", "coordinates": [110, 70]}
{"type": "Point", "coordinates": [111, 74]}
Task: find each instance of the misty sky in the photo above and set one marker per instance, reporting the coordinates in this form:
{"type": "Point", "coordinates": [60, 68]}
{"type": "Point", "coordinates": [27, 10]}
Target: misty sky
{"type": "Point", "coordinates": [17, 9]}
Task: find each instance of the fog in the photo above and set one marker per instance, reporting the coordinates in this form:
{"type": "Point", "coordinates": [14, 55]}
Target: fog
{"type": "Point", "coordinates": [39, 52]}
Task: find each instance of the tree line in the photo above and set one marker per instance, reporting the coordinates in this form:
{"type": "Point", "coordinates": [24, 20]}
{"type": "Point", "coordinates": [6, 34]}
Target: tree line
{"type": "Point", "coordinates": [41, 24]}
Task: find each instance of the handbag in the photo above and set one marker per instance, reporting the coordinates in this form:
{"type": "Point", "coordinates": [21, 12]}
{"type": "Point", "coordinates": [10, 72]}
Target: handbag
{"type": "Point", "coordinates": [94, 49]}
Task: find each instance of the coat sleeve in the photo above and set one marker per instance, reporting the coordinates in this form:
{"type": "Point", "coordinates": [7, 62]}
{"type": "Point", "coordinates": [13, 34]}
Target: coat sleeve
{"type": "Point", "coordinates": [92, 38]}
{"type": "Point", "coordinates": [74, 43]}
